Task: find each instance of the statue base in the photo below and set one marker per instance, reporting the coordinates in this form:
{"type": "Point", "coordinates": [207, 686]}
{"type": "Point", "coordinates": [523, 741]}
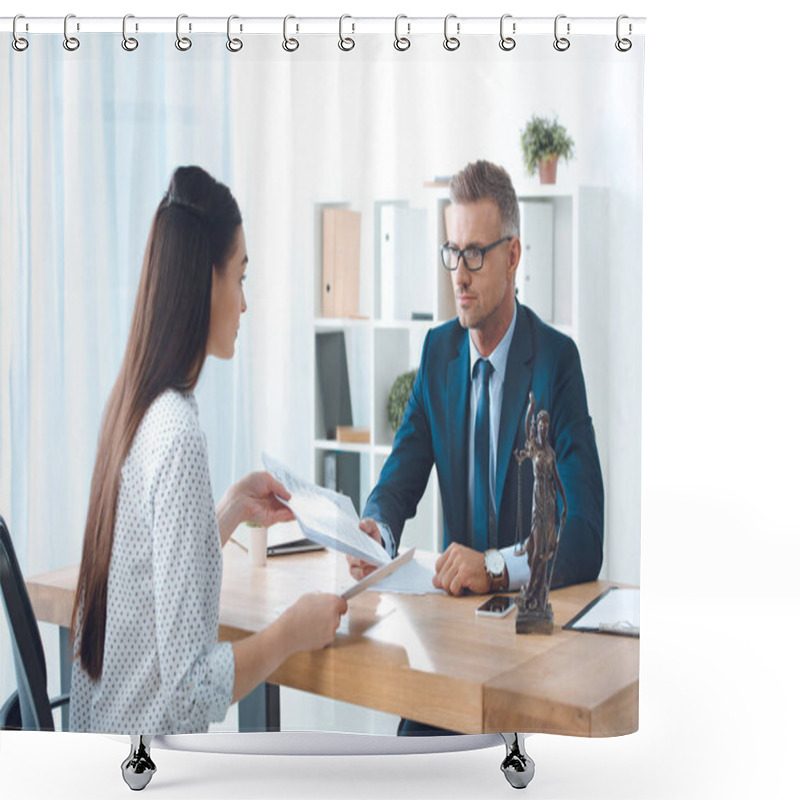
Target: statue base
{"type": "Point", "coordinates": [533, 620]}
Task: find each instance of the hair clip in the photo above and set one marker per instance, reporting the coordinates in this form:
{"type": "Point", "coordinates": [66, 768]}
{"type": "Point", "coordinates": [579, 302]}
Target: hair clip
{"type": "Point", "coordinates": [173, 200]}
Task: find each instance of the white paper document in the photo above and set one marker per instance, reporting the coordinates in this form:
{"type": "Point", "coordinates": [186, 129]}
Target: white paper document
{"type": "Point", "coordinates": [380, 573]}
{"type": "Point", "coordinates": [326, 517]}
{"type": "Point", "coordinates": [415, 577]}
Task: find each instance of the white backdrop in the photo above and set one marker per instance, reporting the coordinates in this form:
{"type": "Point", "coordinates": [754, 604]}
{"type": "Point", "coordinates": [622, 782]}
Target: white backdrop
{"type": "Point", "coordinates": [719, 696]}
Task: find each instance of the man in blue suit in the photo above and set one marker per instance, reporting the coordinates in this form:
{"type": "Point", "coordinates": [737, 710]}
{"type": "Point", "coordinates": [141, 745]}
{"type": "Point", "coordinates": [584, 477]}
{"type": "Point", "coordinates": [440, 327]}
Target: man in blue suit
{"type": "Point", "coordinates": [467, 409]}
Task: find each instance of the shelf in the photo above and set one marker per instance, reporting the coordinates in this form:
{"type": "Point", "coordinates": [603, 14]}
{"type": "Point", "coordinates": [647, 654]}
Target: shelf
{"type": "Point", "coordinates": [407, 324]}
{"type": "Point", "coordinates": [329, 445]}
{"type": "Point", "coordinates": [343, 447]}
{"type": "Point", "coordinates": [340, 323]}
{"type": "Point", "coordinates": [528, 188]}
{"type": "Point", "coordinates": [344, 323]}
{"type": "Point", "coordinates": [543, 191]}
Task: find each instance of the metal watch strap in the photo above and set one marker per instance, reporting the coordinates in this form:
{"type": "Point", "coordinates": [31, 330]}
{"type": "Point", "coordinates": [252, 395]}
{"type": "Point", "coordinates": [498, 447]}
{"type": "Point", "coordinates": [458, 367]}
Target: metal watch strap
{"type": "Point", "coordinates": [496, 581]}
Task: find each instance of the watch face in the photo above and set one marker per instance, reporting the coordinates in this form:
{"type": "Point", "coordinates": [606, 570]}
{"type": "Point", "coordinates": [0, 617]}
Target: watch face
{"type": "Point", "coordinates": [494, 562]}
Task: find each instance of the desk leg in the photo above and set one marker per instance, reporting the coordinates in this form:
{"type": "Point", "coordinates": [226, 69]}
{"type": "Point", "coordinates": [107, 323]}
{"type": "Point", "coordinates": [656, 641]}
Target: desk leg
{"type": "Point", "coordinates": [65, 667]}
{"type": "Point", "coordinates": [261, 709]}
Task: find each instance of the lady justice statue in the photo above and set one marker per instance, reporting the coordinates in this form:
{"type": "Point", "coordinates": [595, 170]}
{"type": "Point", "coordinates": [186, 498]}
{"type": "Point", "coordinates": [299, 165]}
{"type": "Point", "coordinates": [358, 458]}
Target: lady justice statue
{"type": "Point", "coordinates": [534, 612]}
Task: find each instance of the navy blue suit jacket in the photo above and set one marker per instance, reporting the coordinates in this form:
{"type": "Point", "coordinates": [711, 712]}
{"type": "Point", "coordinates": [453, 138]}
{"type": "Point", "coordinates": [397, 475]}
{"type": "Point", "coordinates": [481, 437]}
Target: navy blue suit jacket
{"type": "Point", "coordinates": [435, 430]}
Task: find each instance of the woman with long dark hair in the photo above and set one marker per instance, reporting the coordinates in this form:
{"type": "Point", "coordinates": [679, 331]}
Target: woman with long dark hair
{"type": "Point", "coordinates": [146, 613]}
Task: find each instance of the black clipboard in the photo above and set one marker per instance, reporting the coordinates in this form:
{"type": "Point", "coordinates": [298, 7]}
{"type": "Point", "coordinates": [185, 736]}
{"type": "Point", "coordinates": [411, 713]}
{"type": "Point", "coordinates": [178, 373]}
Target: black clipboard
{"type": "Point", "coordinates": [620, 628]}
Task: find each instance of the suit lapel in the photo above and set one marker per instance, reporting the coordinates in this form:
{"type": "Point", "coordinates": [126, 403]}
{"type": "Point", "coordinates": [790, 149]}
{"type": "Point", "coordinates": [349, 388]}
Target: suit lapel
{"type": "Point", "coordinates": [517, 384]}
{"type": "Point", "coordinates": [458, 432]}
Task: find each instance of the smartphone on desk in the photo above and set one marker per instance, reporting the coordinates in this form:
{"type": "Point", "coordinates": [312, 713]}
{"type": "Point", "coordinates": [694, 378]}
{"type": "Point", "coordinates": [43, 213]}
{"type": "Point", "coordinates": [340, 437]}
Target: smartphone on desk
{"type": "Point", "coordinates": [497, 606]}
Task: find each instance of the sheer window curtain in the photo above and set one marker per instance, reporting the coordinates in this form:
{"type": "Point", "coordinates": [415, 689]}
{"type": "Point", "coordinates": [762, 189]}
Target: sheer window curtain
{"type": "Point", "coordinates": [80, 185]}
{"type": "Point", "coordinates": [89, 141]}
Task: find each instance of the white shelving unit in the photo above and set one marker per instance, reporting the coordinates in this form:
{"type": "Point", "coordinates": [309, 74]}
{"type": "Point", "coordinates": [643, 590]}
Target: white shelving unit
{"type": "Point", "coordinates": [381, 347]}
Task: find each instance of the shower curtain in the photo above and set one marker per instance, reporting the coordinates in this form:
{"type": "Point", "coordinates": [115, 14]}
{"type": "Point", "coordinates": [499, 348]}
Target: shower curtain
{"type": "Point", "coordinates": [310, 140]}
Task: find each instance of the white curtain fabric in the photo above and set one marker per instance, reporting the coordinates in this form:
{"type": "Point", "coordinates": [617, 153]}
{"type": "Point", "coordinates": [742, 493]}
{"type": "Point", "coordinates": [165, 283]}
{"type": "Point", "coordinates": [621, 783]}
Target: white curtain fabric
{"type": "Point", "coordinates": [88, 141]}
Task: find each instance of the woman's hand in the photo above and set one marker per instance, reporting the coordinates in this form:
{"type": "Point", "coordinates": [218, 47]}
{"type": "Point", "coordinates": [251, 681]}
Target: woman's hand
{"type": "Point", "coordinates": [253, 499]}
{"type": "Point", "coordinates": [259, 493]}
{"type": "Point", "coordinates": [311, 623]}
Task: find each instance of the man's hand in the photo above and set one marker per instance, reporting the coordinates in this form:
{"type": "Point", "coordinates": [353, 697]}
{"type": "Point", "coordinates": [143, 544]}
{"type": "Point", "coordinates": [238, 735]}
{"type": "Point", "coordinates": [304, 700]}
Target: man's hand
{"type": "Point", "coordinates": [459, 569]}
{"type": "Point", "coordinates": [360, 569]}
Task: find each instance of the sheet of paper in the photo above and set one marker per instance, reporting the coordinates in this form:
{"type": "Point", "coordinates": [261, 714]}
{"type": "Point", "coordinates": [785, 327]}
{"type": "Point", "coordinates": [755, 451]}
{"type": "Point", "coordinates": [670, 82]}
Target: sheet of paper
{"type": "Point", "coordinates": [327, 517]}
{"type": "Point", "coordinates": [416, 577]}
{"type": "Point", "coordinates": [381, 573]}
{"type": "Point", "coordinates": [615, 612]}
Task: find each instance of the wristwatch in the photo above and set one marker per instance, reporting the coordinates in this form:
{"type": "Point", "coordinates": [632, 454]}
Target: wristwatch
{"type": "Point", "coordinates": [496, 569]}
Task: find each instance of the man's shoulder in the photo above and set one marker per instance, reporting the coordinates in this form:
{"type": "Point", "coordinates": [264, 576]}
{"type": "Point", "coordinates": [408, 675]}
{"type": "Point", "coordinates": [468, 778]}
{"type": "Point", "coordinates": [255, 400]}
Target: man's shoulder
{"type": "Point", "coordinates": [446, 338]}
{"type": "Point", "coordinates": [547, 339]}
{"type": "Point", "coordinates": [452, 329]}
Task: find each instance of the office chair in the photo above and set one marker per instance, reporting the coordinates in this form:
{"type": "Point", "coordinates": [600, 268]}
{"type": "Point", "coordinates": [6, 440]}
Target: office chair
{"type": "Point", "coordinates": [29, 708]}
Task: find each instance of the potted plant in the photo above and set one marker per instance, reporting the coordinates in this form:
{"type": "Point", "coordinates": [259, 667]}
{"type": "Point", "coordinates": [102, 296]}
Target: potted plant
{"type": "Point", "coordinates": [544, 141]}
{"type": "Point", "coordinates": [398, 398]}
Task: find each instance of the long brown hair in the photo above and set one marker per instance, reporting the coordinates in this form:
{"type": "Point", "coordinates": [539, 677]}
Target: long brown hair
{"type": "Point", "coordinates": [192, 233]}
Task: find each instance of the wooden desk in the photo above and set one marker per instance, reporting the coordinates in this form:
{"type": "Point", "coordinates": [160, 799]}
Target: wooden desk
{"type": "Point", "coordinates": [427, 657]}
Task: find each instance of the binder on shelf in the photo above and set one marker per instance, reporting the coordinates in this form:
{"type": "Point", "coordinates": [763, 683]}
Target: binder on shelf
{"type": "Point", "coordinates": [334, 381]}
{"type": "Point", "coordinates": [535, 274]}
{"type": "Point", "coordinates": [341, 240]}
{"type": "Point", "coordinates": [342, 473]}
{"type": "Point", "coordinates": [405, 280]}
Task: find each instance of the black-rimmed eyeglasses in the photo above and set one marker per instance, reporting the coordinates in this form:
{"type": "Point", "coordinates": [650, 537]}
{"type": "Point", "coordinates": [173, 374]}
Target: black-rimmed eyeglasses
{"type": "Point", "coordinates": [473, 256]}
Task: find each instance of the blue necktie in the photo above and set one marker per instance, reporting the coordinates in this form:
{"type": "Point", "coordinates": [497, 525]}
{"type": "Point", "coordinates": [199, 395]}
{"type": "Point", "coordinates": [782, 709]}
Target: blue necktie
{"type": "Point", "coordinates": [482, 503]}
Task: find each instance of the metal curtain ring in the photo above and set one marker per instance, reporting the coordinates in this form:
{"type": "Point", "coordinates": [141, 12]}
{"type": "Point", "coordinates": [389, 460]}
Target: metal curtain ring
{"type": "Point", "coordinates": [623, 45]}
{"type": "Point", "coordinates": [128, 42]}
{"type": "Point", "coordinates": [561, 43]}
{"type": "Point", "coordinates": [345, 42]}
{"type": "Point", "coordinates": [19, 43]}
{"type": "Point", "coordinates": [401, 42]}
{"type": "Point", "coordinates": [70, 42]}
{"type": "Point", "coordinates": [234, 45]}
{"type": "Point", "coordinates": [181, 42]}
{"type": "Point", "coordinates": [451, 42]}
{"type": "Point", "coordinates": [289, 45]}
{"type": "Point", "coordinates": [506, 42]}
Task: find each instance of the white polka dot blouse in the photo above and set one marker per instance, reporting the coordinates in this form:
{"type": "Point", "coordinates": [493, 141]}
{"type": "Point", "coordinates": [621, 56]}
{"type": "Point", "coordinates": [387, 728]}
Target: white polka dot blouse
{"type": "Point", "coordinates": [163, 669]}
